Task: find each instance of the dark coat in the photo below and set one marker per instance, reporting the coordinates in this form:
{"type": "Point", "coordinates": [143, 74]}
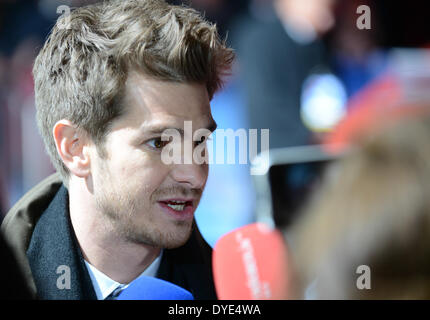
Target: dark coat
{"type": "Point", "coordinates": [39, 231]}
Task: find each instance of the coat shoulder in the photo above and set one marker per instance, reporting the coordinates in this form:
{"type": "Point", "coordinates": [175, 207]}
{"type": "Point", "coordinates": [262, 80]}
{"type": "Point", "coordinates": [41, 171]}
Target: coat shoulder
{"type": "Point", "coordinates": [18, 225]}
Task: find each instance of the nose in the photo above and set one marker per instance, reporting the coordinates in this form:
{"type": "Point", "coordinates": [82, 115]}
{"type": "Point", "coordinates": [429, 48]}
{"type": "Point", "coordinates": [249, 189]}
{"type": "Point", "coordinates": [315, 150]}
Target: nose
{"type": "Point", "coordinates": [193, 175]}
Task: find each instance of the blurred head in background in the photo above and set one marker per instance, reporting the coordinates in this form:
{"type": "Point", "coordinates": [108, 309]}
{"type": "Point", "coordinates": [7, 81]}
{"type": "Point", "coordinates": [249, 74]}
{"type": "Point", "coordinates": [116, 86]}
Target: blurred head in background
{"type": "Point", "coordinates": [372, 210]}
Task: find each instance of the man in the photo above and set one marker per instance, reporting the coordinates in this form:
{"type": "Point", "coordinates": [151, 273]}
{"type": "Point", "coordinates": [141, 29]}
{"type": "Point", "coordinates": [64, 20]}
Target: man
{"type": "Point", "coordinates": [110, 79]}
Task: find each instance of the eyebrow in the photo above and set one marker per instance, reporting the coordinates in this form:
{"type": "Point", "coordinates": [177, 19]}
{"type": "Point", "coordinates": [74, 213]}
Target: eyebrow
{"type": "Point", "coordinates": [152, 130]}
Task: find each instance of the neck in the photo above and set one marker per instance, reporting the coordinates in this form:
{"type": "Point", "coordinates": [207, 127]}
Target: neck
{"type": "Point", "coordinates": [121, 260]}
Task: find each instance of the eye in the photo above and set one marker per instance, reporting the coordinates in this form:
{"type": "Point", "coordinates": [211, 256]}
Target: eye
{"type": "Point", "coordinates": [157, 143]}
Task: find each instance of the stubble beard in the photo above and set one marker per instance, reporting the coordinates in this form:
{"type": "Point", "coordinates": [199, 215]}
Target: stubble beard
{"type": "Point", "coordinates": [133, 223]}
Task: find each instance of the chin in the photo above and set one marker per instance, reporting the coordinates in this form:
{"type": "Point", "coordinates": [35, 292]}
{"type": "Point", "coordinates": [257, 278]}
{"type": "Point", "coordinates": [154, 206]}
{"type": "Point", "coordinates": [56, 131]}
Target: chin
{"type": "Point", "coordinates": [174, 244]}
{"type": "Point", "coordinates": [173, 241]}
{"type": "Point", "coordinates": [167, 238]}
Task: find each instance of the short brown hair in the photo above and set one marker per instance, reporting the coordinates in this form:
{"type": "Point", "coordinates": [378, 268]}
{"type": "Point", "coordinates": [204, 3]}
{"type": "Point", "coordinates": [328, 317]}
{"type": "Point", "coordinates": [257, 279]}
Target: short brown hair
{"type": "Point", "coordinates": [81, 70]}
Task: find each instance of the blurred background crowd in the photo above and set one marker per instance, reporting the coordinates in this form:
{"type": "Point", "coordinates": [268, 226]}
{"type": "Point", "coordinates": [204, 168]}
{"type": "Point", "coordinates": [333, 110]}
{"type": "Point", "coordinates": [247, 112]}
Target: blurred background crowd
{"type": "Point", "coordinates": [302, 67]}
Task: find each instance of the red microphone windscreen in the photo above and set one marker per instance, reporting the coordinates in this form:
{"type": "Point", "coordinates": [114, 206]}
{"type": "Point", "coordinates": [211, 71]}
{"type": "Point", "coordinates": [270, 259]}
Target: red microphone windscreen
{"type": "Point", "coordinates": [251, 263]}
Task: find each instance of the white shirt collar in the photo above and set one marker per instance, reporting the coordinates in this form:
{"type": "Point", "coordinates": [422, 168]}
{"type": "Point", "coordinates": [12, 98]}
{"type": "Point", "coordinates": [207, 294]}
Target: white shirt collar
{"type": "Point", "coordinates": [104, 286]}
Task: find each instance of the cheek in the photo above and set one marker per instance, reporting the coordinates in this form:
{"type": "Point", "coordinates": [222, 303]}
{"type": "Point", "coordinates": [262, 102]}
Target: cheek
{"type": "Point", "coordinates": [139, 172]}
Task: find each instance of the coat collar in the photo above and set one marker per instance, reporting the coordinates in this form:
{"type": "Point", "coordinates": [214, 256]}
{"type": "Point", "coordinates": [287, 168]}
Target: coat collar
{"type": "Point", "coordinates": [54, 255]}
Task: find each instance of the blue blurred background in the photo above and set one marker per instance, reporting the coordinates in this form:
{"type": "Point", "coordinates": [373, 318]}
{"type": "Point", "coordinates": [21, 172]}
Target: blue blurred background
{"type": "Point", "coordinates": [298, 64]}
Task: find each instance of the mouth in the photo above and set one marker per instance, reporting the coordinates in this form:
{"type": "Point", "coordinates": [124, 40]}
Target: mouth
{"type": "Point", "coordinates": [179, 208]}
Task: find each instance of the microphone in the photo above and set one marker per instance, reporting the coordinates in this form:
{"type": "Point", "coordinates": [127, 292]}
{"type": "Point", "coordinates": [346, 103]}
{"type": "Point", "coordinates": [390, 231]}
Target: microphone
{"type": "Point", "coordinates": [251, 263]}
{"type": "Point", "coordinates": [150, 288]}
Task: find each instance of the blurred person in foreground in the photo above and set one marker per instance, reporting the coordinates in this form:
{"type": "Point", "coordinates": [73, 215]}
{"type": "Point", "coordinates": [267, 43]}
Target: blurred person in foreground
{"type": "Point", "coordinates": [109, 80]}
{"type": "Point", "coordinates": [372, 210]}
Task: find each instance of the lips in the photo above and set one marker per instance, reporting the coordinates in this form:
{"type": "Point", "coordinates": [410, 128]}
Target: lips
{"type": "Point", "coordinates": [179, 208]}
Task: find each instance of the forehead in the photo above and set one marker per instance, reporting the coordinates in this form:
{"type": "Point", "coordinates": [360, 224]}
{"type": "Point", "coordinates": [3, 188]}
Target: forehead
{"type": "Point", "coordinates": [150, 101]}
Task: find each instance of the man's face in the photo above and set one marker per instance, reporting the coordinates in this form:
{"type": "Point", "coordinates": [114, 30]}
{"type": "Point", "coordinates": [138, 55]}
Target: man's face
{"type": "Point", "coordinates": [142, 199]}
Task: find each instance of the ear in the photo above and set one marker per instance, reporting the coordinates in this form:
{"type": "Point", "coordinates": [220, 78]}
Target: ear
{"type": "Point", "coordinates": [73, 147]}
